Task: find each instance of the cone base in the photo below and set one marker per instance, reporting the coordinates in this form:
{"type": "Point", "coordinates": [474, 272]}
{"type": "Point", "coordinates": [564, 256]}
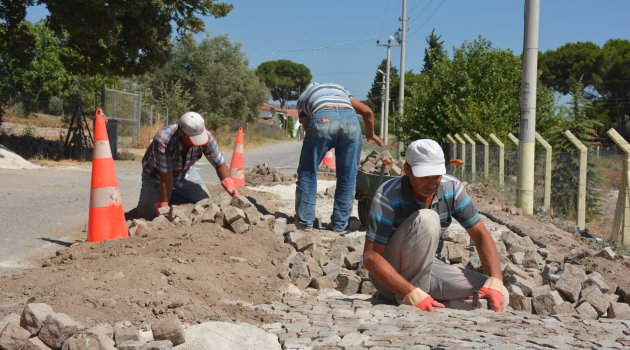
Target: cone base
{"type": "Point", "coordinates": [106, 224]}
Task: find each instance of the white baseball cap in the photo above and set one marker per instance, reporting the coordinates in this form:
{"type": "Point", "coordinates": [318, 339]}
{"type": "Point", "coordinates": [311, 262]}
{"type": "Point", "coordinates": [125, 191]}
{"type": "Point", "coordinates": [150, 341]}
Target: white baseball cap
{"type": "Point", "coordinates": [193, 125]}
{"type": "Point", "coordinates": [426, 158]}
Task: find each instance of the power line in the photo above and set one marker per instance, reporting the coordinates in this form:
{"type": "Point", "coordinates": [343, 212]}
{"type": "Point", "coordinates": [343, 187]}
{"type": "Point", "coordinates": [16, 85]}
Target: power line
{"type": "Point", "coordinates": [428, 19]}
{"type": "Point", "coordinates": [413, 11]}
{"type": "Point", "coordinates": [319, 48]}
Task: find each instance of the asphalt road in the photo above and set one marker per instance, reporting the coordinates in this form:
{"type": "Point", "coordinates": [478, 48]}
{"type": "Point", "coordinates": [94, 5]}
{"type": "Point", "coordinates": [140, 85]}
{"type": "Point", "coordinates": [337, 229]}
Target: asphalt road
{"type": "Point", "coordinates": [44, 209]}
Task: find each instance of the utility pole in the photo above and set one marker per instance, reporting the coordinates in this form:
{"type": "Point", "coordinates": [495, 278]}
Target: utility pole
{"type": "Point", "coordinates": [385, 131]}
{"type": "Point", "coordinates": [527, 134]}
{"type": "Point", "coordinates": [382, 102]}
{"type": "Point", "coordinates": [401, 93]}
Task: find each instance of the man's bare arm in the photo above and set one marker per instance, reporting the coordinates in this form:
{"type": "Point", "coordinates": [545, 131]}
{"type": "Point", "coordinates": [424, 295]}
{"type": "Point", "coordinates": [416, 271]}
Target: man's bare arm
{"type": "Point", "coordinates": [368, 120]}
{"type": "Point", "coordinates": [486, 249]}
{"type": "Point", "coordinates": [166, 186]}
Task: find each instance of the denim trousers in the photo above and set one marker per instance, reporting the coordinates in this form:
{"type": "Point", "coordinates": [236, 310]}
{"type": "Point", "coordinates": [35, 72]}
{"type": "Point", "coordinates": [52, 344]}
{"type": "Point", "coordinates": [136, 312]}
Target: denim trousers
{"type": "Point", "coordinates": [190, 189]}
{"type": "Point", "coordinates": [329, 128]}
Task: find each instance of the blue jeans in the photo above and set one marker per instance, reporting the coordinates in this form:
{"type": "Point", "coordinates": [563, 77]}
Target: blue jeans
{"type": "Point", "coordinates": [329, 128]}
{"type": "Point", "coordinates": [190, 189]}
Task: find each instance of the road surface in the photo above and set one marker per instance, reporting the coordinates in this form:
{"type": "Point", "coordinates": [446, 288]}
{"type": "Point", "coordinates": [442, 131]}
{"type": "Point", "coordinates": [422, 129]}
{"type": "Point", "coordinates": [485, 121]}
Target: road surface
{"type": "Point", "coordinates": [44, 209]}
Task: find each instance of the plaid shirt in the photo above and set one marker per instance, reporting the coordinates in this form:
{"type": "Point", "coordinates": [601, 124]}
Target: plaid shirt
{"type": "Point", "coordinates": [164, 154]}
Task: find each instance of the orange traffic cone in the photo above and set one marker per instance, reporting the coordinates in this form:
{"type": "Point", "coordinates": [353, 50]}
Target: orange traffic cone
{"type": "Point", "coordinates": [237, 165]}
{"type": "Point", "coordinates": [329, 160]}
{"type": "Point", "coordinates": [107, 219]}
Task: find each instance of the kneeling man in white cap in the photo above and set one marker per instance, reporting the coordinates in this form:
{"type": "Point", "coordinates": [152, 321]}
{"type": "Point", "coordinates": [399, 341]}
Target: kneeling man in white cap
{"type": "Point", "coordinates": [168, 175]}
{"type": "Point", "coordinates": [407, 218]}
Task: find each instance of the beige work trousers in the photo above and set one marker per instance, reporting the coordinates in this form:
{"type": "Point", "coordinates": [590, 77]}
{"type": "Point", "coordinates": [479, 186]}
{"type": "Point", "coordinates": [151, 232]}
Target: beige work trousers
{"type": "Point", "coordinates": [411, 252]}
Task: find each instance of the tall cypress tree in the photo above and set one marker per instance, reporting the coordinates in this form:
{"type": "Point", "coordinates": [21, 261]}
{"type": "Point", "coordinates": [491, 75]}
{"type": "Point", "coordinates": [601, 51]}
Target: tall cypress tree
{"type": "Point", "coordinates": [434, 53]}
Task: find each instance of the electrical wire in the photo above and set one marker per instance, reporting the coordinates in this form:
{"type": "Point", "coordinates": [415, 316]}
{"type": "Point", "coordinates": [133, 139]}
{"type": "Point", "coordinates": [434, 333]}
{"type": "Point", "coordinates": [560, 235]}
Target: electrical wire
{"type": "Point", "coordinates": [428, 19]}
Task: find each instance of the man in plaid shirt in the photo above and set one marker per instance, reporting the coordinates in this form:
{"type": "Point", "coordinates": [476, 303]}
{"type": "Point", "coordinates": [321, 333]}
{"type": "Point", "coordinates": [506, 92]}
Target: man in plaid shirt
{"type": "Point", "coordinates": [168, 175]}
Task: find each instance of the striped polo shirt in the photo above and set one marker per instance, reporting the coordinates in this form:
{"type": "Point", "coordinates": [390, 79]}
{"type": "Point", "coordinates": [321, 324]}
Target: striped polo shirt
{"type": "Point", "coordinates": [393, 203]}
{"type": "Point", "coordinates": [317, 96]}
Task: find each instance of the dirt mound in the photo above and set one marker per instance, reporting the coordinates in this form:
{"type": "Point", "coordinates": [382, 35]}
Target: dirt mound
{"type": "Point", "coordinates": [202, 272]}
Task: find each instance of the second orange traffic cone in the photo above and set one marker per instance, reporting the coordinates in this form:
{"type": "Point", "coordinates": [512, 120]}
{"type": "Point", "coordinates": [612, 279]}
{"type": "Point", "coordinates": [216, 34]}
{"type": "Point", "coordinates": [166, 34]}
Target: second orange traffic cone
{"type": "Point", "coordinates": [107, 219]}
{"type": "Point", "coordinates": [237, 165]}
{"type": "Point", "coordinates": [329, 160]}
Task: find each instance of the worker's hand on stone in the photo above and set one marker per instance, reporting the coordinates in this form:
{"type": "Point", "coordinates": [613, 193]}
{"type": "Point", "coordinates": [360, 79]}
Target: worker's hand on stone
{"type": "Point", "coordinates": [421, 300]}
{"type": "Point", "coordinates": [159, 205]}
{"type": "Point", "coordinates": [493, 291]}
{"type": "Point", "coordinates": [228, 185]}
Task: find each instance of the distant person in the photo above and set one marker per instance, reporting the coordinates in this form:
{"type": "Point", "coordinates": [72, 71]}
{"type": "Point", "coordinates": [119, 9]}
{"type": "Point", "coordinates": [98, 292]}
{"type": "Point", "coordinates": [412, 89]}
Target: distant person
{"type": "Point", "coordinates": [404, 229]}
{"type": "Point", "coordinates": [168, 175]}
{"type": "Point", "coordinates": [328, 114]}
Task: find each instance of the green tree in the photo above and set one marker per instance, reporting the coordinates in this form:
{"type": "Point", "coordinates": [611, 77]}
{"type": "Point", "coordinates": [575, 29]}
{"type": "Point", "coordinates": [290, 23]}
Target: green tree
{"type": "Point", "coordinates": [127, 37]}
{"type": "Point", "coordinates": [212, 76]}
{"type": "Point", "coordinates": [374, 95]}
{"type": "Point", "coordinates": [16, 47]}
{"type": "Point", "coordinates": [285, 79]}
{"type": "Point", "coordinates": [605, 73]}
{"type": "Point", "coordinates": [434, 53]}
{"type": "Point", "coordinates": [612, 81]}
{"type": "Point", "coordinates": [567, 65]}
{"type": "Point", "coordinates": [44, 76]}
{"type": "Point", "coordinates": [476, 92]}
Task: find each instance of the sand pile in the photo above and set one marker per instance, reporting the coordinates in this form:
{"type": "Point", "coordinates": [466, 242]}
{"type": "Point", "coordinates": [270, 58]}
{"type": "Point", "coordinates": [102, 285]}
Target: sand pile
{"type": "Point", "coordinates": [10, 160]}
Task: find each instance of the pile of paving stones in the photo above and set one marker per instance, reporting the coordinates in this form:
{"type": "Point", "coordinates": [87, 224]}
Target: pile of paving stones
{"type": "Point", "coordinates": [373, 163]}
{"type": "Point", "coordinates": [40, 328]}
{"type": "Point", "coordinates": [540, 280]}
{"type": "Point", "coordinates": [263, 174]}
{"type": "Point", "coordinates": [236, 213]}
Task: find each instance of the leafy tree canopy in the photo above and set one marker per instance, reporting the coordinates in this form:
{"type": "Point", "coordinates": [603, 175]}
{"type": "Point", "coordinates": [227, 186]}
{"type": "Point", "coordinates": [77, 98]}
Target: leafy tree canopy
{"type": "Point", "coordinates": [285, 79]}
{"type": "Point", "coordinates": [604, 74]}
{"type": "Point", "coordinates": [476, 92]}
{"type": "Point", "coordinates": [212, 77]}
{"type": "Point", "coordinates": [122, 36]}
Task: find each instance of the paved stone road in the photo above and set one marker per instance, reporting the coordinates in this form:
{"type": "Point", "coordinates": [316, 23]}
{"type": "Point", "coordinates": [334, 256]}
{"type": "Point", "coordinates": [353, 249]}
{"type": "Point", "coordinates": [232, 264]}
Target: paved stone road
{"type": "Point", "coordinates": [336, 321]}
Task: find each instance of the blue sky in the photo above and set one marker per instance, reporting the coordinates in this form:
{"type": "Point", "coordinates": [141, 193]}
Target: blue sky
{"type": "Point", "coordinates": [336, 39]}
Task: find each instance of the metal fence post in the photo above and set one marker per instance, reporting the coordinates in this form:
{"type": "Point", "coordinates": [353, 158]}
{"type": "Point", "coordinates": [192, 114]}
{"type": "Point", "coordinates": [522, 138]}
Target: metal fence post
{"type": "Point", "coordinates": [463, 143]}
{"type": "Point", "coordinates": [501, 157]}
{"type": "Point", "coordinates": [548, 150]}
{"type": "Point", "coordinates": [622, 209]}
{"type": "Point", "coordinates": [581, 209]}
{"type": "Point", "coordinates": [453, 146]}
{"type": "Point", "coordinates": [486, 155]}
{"type": "Point", "coordinates": [473, 155]}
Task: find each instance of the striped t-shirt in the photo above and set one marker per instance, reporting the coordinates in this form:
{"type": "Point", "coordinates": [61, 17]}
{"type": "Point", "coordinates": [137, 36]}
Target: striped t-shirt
{"type": "Point", "coordinates": [317, 96]}
{"type": "Point", "coordinates": [393, 203]}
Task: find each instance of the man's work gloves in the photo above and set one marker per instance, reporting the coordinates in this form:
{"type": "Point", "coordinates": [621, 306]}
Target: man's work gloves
{"type": "Point", "coordinates": [493, 291]}
{"type": "Point", "coordinates": [421, 300]}
{"type": "Point", "coordinates": [228, 185]}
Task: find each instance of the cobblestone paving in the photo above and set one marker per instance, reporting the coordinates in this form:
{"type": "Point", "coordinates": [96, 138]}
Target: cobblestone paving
{"type": "Point", "coordinates": [336, 321]}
